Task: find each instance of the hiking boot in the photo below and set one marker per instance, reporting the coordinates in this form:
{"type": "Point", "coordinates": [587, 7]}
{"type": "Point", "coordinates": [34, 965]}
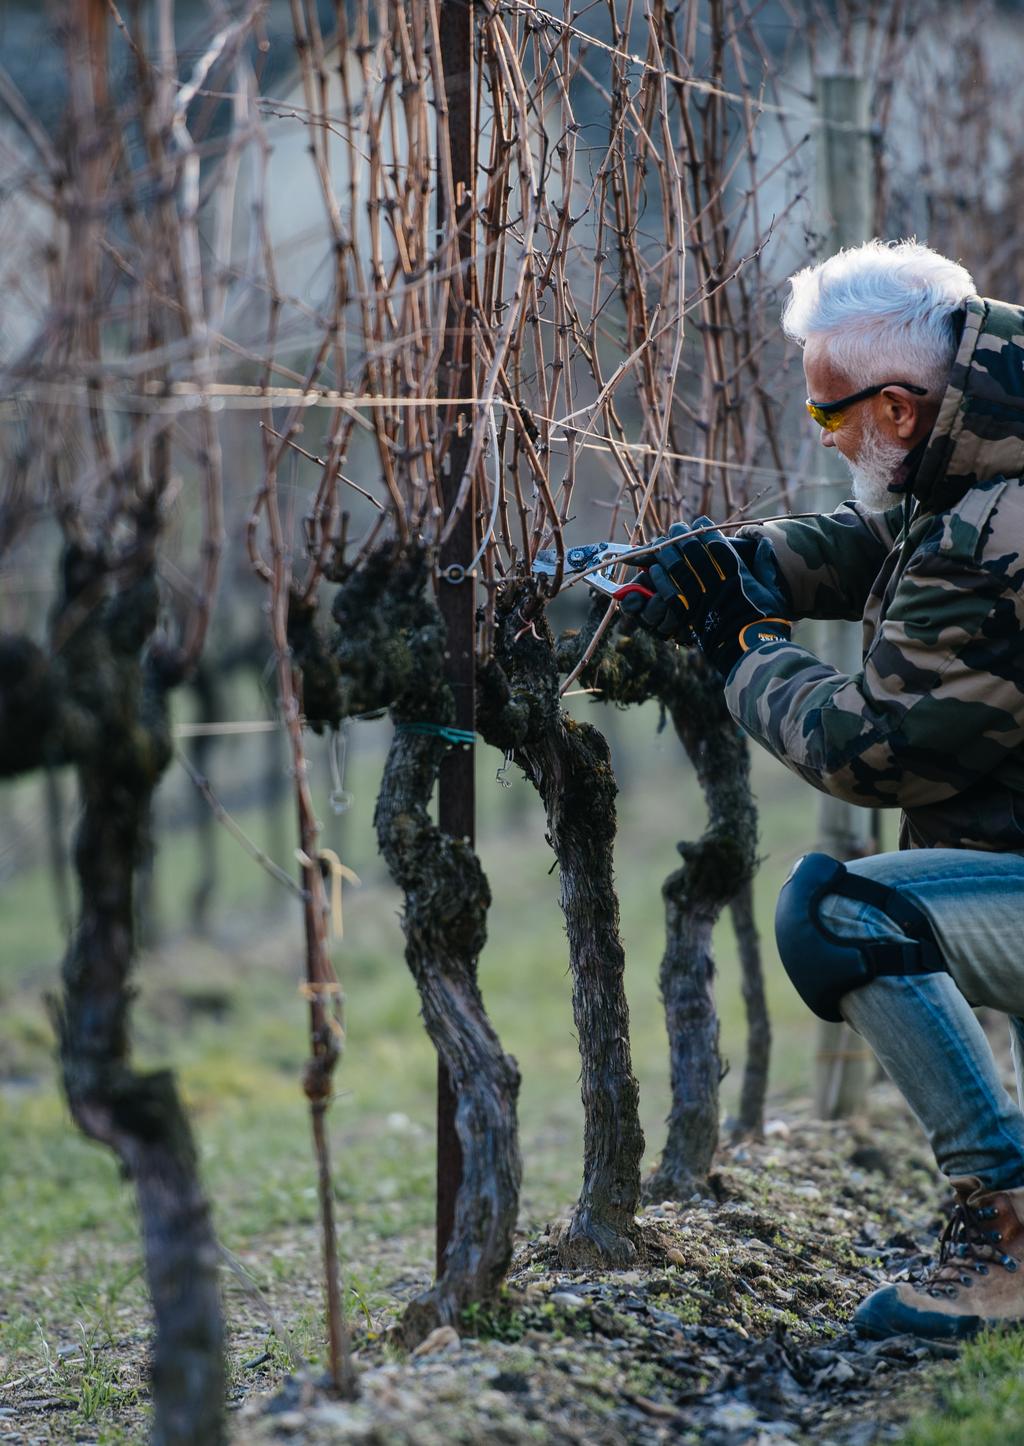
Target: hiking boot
{"type": "Point", "coordinates": [978, 1280]}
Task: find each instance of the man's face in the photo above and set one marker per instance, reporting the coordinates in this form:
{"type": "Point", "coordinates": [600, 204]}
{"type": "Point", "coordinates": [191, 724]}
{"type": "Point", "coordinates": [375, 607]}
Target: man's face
{"type": "Point", "coordinates": [875, 435]}
{"type": "Point", "coordinates": [826, 383]}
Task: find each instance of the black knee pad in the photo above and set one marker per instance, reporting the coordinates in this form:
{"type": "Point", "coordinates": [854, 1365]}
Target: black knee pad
{"type": "Point", "coordinates": [822, 965]}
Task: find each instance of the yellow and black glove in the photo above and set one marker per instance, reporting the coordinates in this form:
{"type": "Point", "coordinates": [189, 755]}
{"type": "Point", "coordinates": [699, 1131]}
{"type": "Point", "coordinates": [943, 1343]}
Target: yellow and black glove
{"type": "Point", "coordinates": [705, 591]}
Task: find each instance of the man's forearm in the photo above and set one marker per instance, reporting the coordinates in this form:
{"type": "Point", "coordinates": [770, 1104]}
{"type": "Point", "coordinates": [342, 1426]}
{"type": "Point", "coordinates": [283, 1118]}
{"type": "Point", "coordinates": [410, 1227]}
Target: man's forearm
{"type": "Point", "coordinates": [820, 723]}
{"type": "Point", "coordinates": [829, 562]}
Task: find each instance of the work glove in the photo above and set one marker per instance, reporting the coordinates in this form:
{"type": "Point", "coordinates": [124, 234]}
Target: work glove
{"type": "Point", "coordinates": [725, 596]}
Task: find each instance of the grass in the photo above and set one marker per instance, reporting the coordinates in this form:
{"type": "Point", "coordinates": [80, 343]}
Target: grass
{"type": "Point", "coordinates": [227, 1015]}
{"type": "Point", "coordinates": [981, 1397]}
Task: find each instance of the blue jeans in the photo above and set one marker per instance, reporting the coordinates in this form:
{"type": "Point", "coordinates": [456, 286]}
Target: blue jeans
{"type": "Point", "coordinates": [922, 1027]}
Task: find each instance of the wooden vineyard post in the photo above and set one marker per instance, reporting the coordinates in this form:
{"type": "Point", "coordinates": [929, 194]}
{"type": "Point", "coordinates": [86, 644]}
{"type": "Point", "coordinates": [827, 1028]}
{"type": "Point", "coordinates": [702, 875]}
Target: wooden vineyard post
{"type": "Point", "coordinates": [844, 166]}
{"type": "Point", "coordinates": [456, 783]}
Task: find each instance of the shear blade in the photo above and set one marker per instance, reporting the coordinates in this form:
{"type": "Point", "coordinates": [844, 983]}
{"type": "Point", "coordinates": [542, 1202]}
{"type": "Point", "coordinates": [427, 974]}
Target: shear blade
{"type": "Point", "coordinates": [578, 559]}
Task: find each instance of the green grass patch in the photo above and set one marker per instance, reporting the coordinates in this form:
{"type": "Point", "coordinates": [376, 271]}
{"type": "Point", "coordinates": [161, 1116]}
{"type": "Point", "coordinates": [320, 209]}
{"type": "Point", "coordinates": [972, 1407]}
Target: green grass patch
{"type": "Point", "coordinates": [981, 1397]}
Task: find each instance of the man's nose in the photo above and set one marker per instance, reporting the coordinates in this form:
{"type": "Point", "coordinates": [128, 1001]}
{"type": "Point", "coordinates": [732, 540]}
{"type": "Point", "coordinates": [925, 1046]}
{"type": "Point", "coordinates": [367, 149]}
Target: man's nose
{"type": "Point", "coordinates": [827, 439]}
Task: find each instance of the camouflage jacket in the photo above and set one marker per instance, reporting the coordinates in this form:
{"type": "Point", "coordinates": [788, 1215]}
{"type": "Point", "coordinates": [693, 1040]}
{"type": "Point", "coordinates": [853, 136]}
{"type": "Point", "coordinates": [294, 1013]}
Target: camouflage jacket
{"type": "Point", "coordinates": [934, 721]}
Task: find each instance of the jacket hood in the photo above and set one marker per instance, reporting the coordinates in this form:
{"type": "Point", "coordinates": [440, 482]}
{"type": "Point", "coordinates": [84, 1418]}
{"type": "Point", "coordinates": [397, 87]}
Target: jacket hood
{"type": "Point", "coordinates": [979, 432]}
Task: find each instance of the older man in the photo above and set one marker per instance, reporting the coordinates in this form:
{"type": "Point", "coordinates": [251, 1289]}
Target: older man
{"type": "Point", "coordinates": [919, 384]}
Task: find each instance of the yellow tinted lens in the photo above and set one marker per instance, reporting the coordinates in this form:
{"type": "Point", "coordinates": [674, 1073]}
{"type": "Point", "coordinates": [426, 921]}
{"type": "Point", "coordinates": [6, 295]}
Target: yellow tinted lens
{"type": "Point", "coordinates": [831, 421]}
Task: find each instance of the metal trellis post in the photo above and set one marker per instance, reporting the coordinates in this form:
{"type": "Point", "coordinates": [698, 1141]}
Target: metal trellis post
{"type": "Point", "coordinates": [456, 784]}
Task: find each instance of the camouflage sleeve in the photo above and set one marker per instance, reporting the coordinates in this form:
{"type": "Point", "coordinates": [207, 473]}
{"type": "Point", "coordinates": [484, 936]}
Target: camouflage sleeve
{"type": "Point", "coordinates": [828, 563]}
{"type": "Point", "coordinates": [939, 703]}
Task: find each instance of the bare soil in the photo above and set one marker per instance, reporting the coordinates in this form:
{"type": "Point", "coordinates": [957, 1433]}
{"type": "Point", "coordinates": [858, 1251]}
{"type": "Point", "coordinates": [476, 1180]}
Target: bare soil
{"type": "Point", "coordinates": [733, 1333]}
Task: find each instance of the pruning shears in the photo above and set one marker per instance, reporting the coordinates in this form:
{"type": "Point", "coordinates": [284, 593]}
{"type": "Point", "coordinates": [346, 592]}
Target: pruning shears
{"type": "Point", "coordinates": [603, 556]}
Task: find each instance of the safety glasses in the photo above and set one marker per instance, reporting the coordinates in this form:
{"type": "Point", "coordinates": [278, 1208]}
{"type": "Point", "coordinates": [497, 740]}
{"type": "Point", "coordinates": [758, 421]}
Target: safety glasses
{"type": "Point", "coordinates": [830, 414]}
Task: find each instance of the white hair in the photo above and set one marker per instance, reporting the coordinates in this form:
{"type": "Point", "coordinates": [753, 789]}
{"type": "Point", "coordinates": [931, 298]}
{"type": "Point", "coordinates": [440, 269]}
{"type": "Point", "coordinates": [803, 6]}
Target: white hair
{"type": "Point", "coordinates": [884, 311]}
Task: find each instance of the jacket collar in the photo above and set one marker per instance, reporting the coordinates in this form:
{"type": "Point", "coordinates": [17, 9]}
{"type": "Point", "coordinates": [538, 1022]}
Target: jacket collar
{"type": "Point", "coordinates": [979, 431]}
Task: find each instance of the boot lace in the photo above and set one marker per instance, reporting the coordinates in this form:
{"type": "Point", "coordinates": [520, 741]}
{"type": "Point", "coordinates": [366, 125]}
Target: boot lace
{"type": "Point", "coordinates": [968, 1243]}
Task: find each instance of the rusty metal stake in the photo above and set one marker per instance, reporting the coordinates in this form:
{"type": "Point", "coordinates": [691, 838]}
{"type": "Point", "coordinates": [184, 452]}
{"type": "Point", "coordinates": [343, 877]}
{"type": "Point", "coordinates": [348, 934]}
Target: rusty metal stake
{"type": "Point", "coordinates": [456, 783]}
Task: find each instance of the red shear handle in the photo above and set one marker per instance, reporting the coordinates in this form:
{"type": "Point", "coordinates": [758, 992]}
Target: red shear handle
{"type": "Point", "coordinates": [632, 587]}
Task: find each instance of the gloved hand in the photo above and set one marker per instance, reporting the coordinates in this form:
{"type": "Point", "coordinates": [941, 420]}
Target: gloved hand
{"type": "Point", "coordinates": [706, 591]}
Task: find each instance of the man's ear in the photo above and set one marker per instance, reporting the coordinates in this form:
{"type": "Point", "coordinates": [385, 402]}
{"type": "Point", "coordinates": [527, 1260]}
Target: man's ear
{"type": "Point", "coordinates": [903, 412]}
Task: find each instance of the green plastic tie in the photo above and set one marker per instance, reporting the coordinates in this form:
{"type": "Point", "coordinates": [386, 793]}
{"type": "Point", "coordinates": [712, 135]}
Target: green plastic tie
{"type": "Point", "coordinates": [438, 730]}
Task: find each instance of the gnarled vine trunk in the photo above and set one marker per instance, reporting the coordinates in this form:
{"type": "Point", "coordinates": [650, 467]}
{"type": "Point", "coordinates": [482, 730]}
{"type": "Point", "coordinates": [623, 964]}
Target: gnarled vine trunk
{"type": "Point", "coordinates": [569, 764]}
{"type": "Point", "coordinates": [100, 702]}
{"type": "Point", "coordinates": [632, 667]}
{"type": "Point", "coordinates": [750, 1117]}
{"type": "Point", "coordinates": [446, 902]}
{"type": "Point", "coordinates": [388, 652]}
{"type": "Point", "coordinates": [140, 1116]}
{"type": "Point", "coordinates": [713, 870]}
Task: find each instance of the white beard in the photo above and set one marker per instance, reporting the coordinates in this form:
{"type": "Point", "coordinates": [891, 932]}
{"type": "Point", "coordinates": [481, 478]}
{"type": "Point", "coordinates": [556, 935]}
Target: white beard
{"type": "Point", "coordinates": [875, 467]}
